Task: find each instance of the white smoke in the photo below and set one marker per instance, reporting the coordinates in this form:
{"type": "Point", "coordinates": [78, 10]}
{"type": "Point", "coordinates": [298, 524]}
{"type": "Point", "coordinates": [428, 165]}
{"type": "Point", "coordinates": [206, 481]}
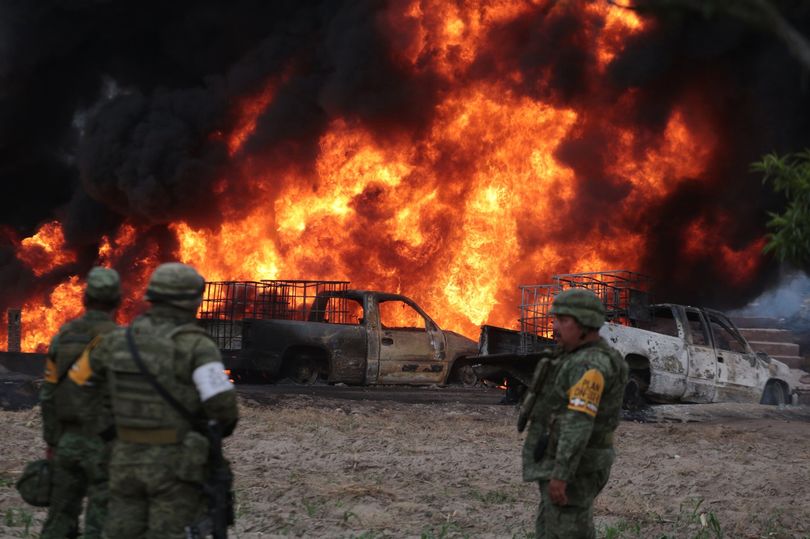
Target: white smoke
{"type": "Point", "coordinates": [791, 296]}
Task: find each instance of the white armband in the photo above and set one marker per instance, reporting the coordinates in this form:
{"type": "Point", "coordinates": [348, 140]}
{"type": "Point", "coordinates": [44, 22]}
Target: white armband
{"type": "Point", "coordinates": [211, 380]}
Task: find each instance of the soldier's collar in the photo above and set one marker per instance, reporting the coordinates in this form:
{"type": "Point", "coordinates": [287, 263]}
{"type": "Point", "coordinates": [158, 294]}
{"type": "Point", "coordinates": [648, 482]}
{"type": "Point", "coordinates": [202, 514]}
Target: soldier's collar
{"type": "Point", "coordinates": [588, 344]}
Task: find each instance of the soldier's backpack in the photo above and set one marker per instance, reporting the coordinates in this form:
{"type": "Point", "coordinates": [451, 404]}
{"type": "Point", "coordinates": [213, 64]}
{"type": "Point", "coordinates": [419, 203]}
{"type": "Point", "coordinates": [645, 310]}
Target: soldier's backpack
{"type": "Point", "coordinates": [34, 485]}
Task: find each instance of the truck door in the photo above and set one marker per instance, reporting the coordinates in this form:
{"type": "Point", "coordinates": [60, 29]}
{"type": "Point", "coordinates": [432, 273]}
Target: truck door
{"type": "Point", "coordinates": [736, 363]}
{"type": "Point", "coordinates": [701, 374]}
{"type": "Point", "coordinates": [411, 346]}
{"type": "Point", "coordinates": [372, 324]}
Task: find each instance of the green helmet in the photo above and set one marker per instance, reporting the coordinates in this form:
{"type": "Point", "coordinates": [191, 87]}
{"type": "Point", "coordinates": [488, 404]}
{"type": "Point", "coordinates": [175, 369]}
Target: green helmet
{"type": "Point", "coordinates": [34, 485]}
{"type": "Point", "coordinates": [103, 284]}
{"type": "Point", "coordinates": [176, 284]}
{"type": "Point", "coordinates": [582, 304]}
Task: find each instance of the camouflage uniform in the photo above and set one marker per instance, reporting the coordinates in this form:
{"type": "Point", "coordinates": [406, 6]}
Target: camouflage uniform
{"type": "Point", "coordinates": [158, 461]}
{"type": "Point", "coordinates": [574, 417]}
{"type": "Point", "coordinates": [71, 422]}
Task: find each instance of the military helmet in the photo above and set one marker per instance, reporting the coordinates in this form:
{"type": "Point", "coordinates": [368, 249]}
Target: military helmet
{"type": "Point", "coordinates": [34, 485]}
{"type": "Point", "coordinates": [103, 284]}
{"type": "Point", "coordinates": [176, 284]}
{"type": "Point", "coordinates": [582, 304]}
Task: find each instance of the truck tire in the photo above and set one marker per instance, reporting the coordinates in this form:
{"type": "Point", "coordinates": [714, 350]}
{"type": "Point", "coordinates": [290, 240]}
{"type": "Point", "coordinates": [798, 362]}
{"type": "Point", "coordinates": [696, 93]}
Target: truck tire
{"type": "Point", "coordinates": [634, 393]}
{"type": "Point", "coordinates": [304, 372]}
{"type": "Point", "coordinates": [304, 368]}
{"type": "Point", "coordinates": [774, 394]}
{"type": "Point", "coordinates": [464, 374]}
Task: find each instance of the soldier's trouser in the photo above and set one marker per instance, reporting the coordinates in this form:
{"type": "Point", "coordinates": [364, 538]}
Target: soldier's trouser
{"type": "Point", "coordinates": [575, 520]}
{"type": "Point", "coordinates": [148, 497]}
{"type": "Point", "coordinates": [79, 469]}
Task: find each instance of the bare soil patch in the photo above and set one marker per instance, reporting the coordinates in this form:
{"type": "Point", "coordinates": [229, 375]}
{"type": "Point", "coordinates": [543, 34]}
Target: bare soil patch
{"type": "Point", "coordinates": [319, 467]}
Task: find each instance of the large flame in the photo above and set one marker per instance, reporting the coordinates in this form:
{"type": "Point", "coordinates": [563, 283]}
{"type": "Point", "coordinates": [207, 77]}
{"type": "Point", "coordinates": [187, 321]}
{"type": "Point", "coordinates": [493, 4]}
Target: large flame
{"type": "Point", "coordinates": [456, 216]}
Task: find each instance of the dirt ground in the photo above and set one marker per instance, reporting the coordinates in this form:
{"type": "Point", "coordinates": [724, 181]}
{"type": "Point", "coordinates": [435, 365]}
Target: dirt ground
{"type": "Point", "coordinates": [314, 467]}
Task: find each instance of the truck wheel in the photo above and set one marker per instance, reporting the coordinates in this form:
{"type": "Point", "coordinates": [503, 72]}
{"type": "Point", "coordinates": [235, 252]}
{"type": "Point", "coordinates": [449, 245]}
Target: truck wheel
{"type": "Point", "coordinates": [774, 394]}
{"type": "Point", "coordinates": [634, 393]}
{"type": "Point", "coordinates": [302, 371]}
{"type": "Point", "coordinates": [465, 375]}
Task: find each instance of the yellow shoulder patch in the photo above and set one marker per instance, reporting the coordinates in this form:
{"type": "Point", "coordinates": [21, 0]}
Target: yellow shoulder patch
{"type": "Point", "coordinates": [584, 396]}
{"type": "Point", "coordinates": [80, 372]}
{"type": "Point", "coordinates": [51, 376]}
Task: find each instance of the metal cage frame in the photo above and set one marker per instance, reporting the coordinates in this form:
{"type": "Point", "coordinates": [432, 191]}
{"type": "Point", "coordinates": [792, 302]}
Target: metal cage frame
{"type": "Point", "coordinates": [624, 293]}
{"type": "Point", "coordinates": [226, 305]}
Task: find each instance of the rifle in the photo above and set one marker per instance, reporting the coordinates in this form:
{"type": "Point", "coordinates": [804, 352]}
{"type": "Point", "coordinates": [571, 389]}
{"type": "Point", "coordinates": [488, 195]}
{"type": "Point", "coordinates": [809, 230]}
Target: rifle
{"type": "Point", "coordinates": [548, 360]}
{"type": "Point", "coordinates": [218, 487]}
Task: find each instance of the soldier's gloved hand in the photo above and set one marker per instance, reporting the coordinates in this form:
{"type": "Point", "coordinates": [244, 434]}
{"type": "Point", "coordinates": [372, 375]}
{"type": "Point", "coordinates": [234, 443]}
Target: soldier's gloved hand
{"type": "Point", "coordinates": [556, 491]}
{"type": "Point", "coordinates": [49, 453]}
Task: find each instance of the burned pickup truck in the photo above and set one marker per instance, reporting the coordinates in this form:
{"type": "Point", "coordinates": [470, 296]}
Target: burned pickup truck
{"type": "Point", "coordinates": [676, 353]}
{"type": "Point", "coordinates": [690, 354]}
{"type": "Point", "coordinates": [308, 330]}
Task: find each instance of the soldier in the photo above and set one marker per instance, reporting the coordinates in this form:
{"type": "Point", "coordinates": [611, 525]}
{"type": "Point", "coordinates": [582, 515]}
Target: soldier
{"type": "Point", "coordinates": [71, 426]}
{"type": "Point", "coordinates": [165, 379]}
{"type": "Point", "coordinates": [569, 444]}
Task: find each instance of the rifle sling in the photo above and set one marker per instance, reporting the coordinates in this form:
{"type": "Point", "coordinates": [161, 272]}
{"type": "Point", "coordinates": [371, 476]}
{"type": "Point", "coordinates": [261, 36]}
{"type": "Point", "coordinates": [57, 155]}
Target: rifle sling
{"type": "Point", "coordinates": [136, 357]}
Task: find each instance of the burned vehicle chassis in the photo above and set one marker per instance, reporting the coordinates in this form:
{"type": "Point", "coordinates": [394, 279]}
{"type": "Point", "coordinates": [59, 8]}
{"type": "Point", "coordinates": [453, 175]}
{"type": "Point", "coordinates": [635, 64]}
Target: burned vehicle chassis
{"type": "Point", "coordinates": [341, 336]}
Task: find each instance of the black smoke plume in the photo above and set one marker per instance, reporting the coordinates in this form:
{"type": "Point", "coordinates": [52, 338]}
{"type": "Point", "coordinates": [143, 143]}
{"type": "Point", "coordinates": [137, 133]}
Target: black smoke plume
{"type": "Point", "coordinates": [110, 110]}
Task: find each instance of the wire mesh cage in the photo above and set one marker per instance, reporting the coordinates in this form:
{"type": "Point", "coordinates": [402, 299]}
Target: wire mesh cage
{"type": "Point", "coordinates": [624, 293]}
{"type": "Point", "coordinates": [228, 305]}
{"type": "Point", "coordinates": [535, 319]}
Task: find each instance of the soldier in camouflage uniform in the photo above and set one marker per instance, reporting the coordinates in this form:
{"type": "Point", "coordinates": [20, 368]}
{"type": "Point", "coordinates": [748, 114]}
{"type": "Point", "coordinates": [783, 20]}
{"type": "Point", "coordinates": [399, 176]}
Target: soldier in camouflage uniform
{"type": "Point", "coordinates": [159, 460]}
{"type": "Point", "coordinates": [569, 443]}
{"type": "Point", "coordinates": [72, 427]}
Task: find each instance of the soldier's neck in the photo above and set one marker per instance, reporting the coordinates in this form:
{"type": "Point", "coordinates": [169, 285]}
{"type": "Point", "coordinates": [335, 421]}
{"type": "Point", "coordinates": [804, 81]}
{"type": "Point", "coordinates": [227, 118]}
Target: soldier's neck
{"type": "Point", "coordinates": [588, 341]}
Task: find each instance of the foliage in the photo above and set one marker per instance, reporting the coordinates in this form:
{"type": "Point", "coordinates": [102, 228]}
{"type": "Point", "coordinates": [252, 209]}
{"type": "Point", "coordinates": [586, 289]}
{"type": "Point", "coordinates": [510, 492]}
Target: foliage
{"type": "Point", "coordinates": [790, 230]}
{"type": "Point", "coordinates": [19, 518]}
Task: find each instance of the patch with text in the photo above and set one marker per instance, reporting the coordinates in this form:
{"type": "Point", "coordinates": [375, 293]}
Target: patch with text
{"type": "Point", "coordinates": [584, 396]}
{"type": "Point", "coordinates": [80, 372]}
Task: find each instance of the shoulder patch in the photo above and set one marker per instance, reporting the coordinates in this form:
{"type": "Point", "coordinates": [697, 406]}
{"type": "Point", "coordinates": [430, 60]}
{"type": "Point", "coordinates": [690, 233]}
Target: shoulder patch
{"type": "Point", "coordinates": [51, 375]}
{"type": "Point", "coordinates": [584, 396]}
{"type": "Point", "coordinates": [80, 372]}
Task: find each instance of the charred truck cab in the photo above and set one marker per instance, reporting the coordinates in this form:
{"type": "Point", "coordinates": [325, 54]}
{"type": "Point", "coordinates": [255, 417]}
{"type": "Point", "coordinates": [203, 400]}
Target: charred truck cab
{"type": "Point", "coordinates": [349, 336]}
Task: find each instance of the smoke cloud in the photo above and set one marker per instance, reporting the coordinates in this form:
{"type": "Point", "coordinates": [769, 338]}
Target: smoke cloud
{"type": "Point", "coordinates": [110, 111]}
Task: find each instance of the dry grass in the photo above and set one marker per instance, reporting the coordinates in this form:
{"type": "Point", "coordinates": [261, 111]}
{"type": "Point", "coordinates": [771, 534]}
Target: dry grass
{"type": "Point", "coordinates": [332, 468]}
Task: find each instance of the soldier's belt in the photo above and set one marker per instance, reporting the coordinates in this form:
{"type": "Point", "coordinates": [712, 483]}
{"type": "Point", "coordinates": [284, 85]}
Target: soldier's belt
{"type": "Point", "coordinates": [601, 441]}
{"type": "Point", "coordinates": [148, 436]}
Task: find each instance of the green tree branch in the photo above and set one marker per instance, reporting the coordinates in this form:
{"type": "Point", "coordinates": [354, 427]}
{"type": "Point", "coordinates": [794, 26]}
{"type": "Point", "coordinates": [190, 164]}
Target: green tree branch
{"type": "Point", "coordinates": [789, 239]}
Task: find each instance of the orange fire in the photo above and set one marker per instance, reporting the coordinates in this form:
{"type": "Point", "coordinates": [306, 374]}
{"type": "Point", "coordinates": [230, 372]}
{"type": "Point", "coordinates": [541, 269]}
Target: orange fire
{"type": "Point", "coordinates": [45, 250]}
{"type": "Point", "coordinates": [705, 240]}
{"type": "Point", "coordinates": [40, 319]}
{"type": "Point", "coordinates": [454, 216]}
